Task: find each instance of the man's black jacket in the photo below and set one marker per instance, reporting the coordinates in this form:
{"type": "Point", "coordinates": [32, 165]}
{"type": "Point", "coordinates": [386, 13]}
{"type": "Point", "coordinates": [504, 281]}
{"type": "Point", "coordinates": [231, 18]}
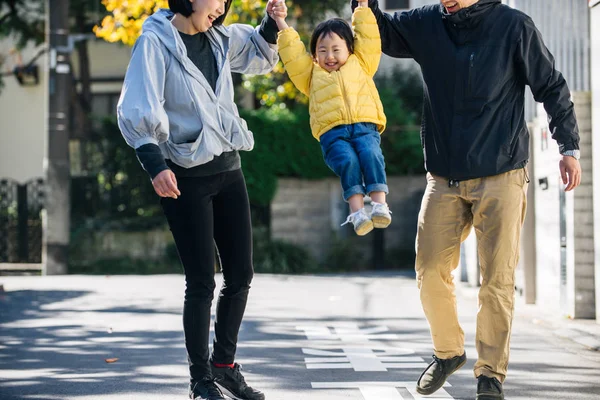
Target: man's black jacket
{"type": "Point", "coordinates": [476, 64]}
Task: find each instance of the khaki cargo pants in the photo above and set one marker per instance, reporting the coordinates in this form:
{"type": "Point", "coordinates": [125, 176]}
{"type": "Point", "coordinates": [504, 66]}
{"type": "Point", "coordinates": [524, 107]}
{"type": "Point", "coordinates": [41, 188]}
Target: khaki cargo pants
{"type": "Point", "coordinates": [495, 207]}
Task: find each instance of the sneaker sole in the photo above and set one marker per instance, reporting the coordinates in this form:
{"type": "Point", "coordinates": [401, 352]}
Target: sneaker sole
{"type": "Point", "coordinates": [381, 222]}
{"type": "Point", "coordinates": [490, 396]}
{"type": "Point", "coordinates": [437, 387]}
{"type": "Point", "coordinates": [228, 393]}
{"type": "Point", "coordinates": [365, 228]}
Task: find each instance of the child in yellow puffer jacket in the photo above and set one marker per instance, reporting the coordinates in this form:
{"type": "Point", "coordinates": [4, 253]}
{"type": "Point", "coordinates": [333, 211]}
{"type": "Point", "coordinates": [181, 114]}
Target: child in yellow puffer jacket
{"type": "Point", "coordinates": [346, 114]}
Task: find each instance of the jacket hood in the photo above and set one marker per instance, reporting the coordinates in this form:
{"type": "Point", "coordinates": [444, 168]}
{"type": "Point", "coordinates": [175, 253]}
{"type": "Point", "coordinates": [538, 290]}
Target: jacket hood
{"type": "Point", "coordinates": [470, 15]}
{"type": "Point", "coordinates": [159, 23]}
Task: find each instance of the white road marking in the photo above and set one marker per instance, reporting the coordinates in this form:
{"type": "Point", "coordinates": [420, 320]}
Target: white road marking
{"type": "Point", "coordinates": [382, 390]}
{"type": "Point", "coordinates": [362, 359]}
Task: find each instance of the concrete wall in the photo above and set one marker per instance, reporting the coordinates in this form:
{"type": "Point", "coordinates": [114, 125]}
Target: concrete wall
{"type": "Point", "coordinates": [309, 213]}
{"type": "Point", "coordinates": [582, 277]}
{"type": "Point", "coordinates": [595, 68]}
{"type": "Point", "coordinates": [23, 122]}
{"type": "Point", "coordinates": [141, 245]}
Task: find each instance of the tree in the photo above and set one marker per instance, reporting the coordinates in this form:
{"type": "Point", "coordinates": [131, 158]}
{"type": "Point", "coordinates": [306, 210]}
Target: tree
{"type": "Point", "coordinates": [125, 19]}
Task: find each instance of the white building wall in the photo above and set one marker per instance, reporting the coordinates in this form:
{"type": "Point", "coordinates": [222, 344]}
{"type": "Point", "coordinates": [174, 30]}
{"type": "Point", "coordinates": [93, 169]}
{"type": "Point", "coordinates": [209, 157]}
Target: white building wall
{"type": "Point", "coordinates": [108, 63]}
{"type": "Point", "coordinates": [23, 122]}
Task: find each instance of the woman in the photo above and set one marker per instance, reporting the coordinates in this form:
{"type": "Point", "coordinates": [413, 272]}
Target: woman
{"type": "Point", "coordinates": [177, 111]}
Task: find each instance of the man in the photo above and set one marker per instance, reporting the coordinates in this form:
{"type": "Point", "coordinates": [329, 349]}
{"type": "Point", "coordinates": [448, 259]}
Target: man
{"type": "Point", "coordinates": [476, 58]}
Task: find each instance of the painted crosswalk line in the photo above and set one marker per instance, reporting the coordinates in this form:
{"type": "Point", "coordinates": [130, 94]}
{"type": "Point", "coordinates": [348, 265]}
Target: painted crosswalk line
{"type": "Point", "coordinates": [362, 359]}
{"type": "Point", "coordinates": [382, 390]}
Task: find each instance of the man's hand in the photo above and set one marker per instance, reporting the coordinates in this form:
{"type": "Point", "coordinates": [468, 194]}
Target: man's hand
{"type": "Point", "coordinates": [570, 172]}
{"type": "Point", "coordinates": [364, 3]}
{"type": "Point", "coordinates": [278, 11]}
{"type": "Point", "coordinates": [165, 184]}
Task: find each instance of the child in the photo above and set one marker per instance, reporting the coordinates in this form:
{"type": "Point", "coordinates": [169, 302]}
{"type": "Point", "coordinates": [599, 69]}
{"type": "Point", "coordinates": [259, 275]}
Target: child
{"type": "Point", "coordinates": [346, 115]}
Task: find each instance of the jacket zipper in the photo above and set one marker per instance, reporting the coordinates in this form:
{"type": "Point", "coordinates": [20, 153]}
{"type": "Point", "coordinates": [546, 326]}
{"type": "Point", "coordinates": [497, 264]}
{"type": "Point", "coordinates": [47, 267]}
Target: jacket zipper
{"type": "Point", "coordinates": [471, 65]}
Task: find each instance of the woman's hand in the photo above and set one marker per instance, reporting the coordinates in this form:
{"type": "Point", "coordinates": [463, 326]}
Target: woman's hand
{"type": "Point", "coordinates": [165, 184]}
{"type": "Point", "coordinates": [278, 11]}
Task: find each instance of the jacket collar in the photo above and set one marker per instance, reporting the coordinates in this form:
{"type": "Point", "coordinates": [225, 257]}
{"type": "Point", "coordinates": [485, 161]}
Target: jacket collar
{"type": "Point", "coordinates": [470, 16]}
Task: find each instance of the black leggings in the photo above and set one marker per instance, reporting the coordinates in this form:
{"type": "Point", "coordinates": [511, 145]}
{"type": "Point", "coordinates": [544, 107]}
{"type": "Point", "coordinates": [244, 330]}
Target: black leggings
{"type": "Point", "coordinates": [212, 209]}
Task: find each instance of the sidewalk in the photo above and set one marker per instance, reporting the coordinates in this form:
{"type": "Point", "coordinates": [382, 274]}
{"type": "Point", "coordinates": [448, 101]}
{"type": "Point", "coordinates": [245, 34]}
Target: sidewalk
{"type": "Point", "coordinates": [580, 331]}
{"type": "Point", "coordinates": [583, 332]}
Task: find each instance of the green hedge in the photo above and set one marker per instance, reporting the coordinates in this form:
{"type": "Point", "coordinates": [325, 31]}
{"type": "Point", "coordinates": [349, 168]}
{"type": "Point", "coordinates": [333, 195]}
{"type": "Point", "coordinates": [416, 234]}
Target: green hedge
{"type": "Point", "coordinates": [284, 146]}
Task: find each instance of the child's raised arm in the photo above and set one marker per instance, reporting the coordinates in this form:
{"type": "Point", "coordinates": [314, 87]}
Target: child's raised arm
{"type": "Point", "coordinates": [278, 11]}
{"type": "Point", "coordinates": [367, 42]}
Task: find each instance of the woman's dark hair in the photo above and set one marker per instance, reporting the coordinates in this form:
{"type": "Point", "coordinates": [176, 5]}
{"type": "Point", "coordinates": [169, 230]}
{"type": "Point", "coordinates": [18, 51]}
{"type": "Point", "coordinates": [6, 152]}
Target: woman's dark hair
{"type": "Point", "coordinates": [184, 7]}
{"type": "Point", "coordinates": [335, 25]}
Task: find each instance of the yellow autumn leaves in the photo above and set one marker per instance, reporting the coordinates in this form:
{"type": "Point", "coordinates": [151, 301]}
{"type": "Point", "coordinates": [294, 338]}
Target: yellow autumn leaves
{"type": "Point", "coordinates": [126, 19]}
{"type": "Point", "coordinates": [124, 24]}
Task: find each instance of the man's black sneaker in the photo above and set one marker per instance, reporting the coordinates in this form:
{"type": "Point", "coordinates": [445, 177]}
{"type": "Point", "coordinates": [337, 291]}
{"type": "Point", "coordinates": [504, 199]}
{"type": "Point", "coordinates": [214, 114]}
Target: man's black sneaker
{"type": "Point", "coordinates": [205, 389]}
{"type": "Point", "coordinates": [232, 383]}
{"type": "Point", "coordinates": [437, 372]}
{"type": "Point", "coordinates": [489, 388]}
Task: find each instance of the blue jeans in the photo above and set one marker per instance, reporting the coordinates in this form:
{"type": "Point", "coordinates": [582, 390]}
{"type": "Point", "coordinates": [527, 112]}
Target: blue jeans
{"type": "Point", "coordinates": [353, 152]}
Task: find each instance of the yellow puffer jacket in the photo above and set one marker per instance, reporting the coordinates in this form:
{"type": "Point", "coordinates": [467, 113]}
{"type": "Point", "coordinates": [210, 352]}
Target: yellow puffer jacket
{"type": "Point", "coordinates": [345, 96]}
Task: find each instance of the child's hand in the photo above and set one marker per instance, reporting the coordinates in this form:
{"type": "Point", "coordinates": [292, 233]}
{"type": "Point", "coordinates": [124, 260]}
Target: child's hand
{"type": "Point", "coordinates": [278, 11]}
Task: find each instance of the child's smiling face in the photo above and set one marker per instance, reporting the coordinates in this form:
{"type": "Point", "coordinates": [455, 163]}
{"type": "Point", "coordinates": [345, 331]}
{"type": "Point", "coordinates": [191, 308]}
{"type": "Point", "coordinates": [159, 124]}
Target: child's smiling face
{"type": "Point", "coordinates": [332, 52]}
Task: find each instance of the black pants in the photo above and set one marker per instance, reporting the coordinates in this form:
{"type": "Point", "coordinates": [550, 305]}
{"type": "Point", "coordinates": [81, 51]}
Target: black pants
{"type": "Point", "coordinates": [212, 209]}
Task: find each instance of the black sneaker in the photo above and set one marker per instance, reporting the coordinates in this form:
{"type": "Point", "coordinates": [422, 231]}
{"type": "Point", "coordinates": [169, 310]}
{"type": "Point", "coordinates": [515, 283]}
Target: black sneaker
{"type": "Point", "coordinates": [232, 383]}
{"type": "Point", "coordinates": [437, 372]}
{"type": "Point", "coordinates": [489, 388]}
{"type": "Point", "coordinates": [205, 389]}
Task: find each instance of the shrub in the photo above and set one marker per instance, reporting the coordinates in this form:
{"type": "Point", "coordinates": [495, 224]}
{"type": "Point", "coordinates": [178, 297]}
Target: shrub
{"type": "Point", "coordinates": [345, 256]}
{"type": "Point", "coordinates": [278, 257]}
{"type": "Point", "coordinates": [125, 266]}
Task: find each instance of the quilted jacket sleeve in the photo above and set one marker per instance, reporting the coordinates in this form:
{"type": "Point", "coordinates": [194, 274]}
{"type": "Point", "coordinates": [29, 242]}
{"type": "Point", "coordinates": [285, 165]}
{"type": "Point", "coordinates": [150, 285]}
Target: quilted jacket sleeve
{"type": "Point", "coordinates": [297, 61]}
{"type": "Point", "coordinates": [367, 42]}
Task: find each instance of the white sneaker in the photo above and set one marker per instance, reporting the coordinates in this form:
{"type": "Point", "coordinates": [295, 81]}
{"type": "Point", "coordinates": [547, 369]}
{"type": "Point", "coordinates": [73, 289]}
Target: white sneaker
{"type": "Point", "coordinates": [380, 215]}
{"type": "Point", "coordinates": [361, 221]}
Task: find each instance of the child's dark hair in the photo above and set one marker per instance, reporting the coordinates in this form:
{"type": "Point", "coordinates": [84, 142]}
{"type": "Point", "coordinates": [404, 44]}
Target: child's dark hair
{"type": "Point", "coordinates": [335, 25]}
{"type": "Point", "coordinates": [184, 7]}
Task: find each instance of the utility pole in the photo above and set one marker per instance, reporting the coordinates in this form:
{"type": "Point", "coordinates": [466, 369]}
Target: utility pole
{"type": "Point", "coordinates": [57, 165]}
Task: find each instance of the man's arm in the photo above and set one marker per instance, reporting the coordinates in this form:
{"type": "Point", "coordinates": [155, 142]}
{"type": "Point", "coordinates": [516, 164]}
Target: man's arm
{"type": "Point", "coordinates": [392, 29]}
{"type": "Point", "coordinates": [548, 86]}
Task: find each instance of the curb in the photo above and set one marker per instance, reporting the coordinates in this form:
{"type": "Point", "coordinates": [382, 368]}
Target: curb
{"type": "Point", "coordinates": [592, 342]}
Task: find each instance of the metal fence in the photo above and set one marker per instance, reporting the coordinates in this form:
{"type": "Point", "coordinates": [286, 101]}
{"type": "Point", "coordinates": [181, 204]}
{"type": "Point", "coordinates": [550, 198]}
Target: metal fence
{"type": "Point", "coordinates": [21, 221]}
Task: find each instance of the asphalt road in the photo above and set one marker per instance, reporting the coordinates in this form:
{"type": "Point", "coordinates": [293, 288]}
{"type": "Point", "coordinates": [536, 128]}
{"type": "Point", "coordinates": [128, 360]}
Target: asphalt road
{"type": "Point", "coordinates": [304, 337]}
